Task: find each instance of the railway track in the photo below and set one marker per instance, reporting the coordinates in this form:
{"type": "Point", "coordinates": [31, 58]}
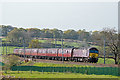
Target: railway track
{"type": "Point", "coordinates": [72, 62]}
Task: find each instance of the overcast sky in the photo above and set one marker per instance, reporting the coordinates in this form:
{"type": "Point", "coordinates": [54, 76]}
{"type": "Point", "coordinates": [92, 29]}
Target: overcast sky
{"type": "Point", "coordinates": [60, 15]}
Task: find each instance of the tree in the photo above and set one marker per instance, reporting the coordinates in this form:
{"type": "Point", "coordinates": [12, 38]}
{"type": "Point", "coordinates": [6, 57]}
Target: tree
{"type": "Point", "coordinates": [70, 34]}
{"type": "Point", "coordinates": [5, 29]}
{"type": "Point", "coordinates": [18, 35]}
{"type": "Point", "coordinates": [10, 61]}
{"type": "Point", "coordinates": [119, 47]}
{"type": "Point", "coordinates": [95, 36]}
{"type": "Point", "coordinates": [46, 33]}
{"type": "Point", "coordinates": [110, 36]}
{"type": "Point", "coordinates": [56, 33]}
{"type": "Point", "coordinates": [34, 32]}
{"type": "Point", "coordinates": [34, 44]}
{"type": "Point", "coordinates": [83, 35]}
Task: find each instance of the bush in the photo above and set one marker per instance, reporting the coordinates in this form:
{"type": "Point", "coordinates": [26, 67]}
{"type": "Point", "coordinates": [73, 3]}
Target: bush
{"type": "Point", "coordinates": [10, 61]}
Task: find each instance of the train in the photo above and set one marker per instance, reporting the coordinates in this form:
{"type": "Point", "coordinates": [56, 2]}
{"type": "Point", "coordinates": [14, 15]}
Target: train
{"type": "Point", "coordinates": [66, 54]}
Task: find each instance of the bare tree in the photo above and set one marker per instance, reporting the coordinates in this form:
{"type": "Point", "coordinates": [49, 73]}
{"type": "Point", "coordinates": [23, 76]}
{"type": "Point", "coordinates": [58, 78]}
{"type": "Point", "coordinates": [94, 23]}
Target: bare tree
{"type": "Point", "coordinates": [119, 47]}
{"type": "Point", "coordinates": [111, 37]}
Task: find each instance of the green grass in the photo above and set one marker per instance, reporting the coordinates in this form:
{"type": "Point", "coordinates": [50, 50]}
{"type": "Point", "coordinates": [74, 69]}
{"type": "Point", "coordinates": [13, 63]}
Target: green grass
{"type": "Point", "coordinates": [42, 41]}
{"type": "Point", "coordinates": [3, 39]}
{"type": "Point", "coordinates": [107, 61]}
{"type": "Point", "coordinates": [10, 49]}
{"type": "Point", "coordinates": [65, 43]}
{"type": "Point", "coordinates": [27, 64]}
{"type": "Point", "coordinates": [40, 64]}
{"type": "Point", "coordinates": [35, 74]}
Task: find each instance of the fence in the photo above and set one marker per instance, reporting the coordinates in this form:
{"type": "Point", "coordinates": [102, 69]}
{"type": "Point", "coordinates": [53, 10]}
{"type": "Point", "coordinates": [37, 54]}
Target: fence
{"type": "Point", "coordinates": [83, 70]}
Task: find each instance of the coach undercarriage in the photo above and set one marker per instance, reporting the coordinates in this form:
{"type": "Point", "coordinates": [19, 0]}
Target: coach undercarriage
{"type": "Point", "coordinates": [76, 59]}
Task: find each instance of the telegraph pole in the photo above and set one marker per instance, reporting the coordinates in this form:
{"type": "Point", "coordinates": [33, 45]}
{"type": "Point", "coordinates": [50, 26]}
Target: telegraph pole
{"type": "Point", "coordinates": [55, 42]}
{"type": "Point", "coordinates": [62, 50]}
{"type": "Point", "coordinates": [24, 47]}
{"type": "Point", "coordinates": [54, 37]}
{"type": "Point", "coordinates": [6, 47]}
{"type": "Point", "coordinates": [1, 45]}
{"type": "Point", "coordinates": [3, 48]}
{"type": "Point", "coordinates": [6, 42]}
{"type": "Point", "coordinates": [104, 50]}
{"type": "Point", "coordinates": [1, 40]}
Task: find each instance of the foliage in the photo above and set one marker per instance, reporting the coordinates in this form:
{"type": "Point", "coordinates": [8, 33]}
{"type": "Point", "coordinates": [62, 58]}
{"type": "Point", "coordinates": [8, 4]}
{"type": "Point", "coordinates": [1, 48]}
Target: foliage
{"type": "Point", "coordinates": [34, 32]}
{"type": "Point", "coordinates": [70, 34]}
{"type": "Point", "coordinates": [43, 33]}
{"type": "Point", "coordinates": [19, 36]}
{"type": "Point", "coordinates": [34, 44]}
{"type": "Point", "coordinates": [5, 29]}
{"type": "Point", "coordinates": [10, 61]}
{"type": "Point", "coordinates": [83, 35]}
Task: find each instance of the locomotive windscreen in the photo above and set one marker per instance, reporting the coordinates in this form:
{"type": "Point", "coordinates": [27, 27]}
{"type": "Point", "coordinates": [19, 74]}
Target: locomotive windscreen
{"type": "Point", "coordinates": [93, 50]}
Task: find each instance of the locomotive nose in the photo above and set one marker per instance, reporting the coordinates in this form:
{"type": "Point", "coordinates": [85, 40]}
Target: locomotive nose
{"type": "Point", "coordinates": [93, 56]}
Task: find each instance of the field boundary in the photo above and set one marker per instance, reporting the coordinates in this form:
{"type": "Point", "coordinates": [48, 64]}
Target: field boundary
{"type": "Point", "coordinates": [83, 70]}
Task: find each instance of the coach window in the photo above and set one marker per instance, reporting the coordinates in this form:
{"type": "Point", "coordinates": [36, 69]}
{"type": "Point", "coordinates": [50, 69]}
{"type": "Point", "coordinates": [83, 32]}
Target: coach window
{"type": "Point", "coordinates": [44, 51]}
{"type": "Point", "coordinates": [67, 51]}
{"type": "Point", "coordinates": [64, 51]}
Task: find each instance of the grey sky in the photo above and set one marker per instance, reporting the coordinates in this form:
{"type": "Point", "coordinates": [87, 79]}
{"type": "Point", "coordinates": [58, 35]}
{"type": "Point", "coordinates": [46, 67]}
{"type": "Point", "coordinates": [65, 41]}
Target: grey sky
{"type": "Point", "coordinates": [61, 15]}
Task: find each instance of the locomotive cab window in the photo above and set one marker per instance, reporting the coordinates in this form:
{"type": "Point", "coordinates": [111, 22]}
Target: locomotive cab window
{"type": "Point", "coordinates": [93, 50]}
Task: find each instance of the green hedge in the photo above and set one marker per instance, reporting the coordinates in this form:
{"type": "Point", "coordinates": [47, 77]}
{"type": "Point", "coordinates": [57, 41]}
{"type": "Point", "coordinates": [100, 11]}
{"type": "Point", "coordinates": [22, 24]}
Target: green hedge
{"type": "Point", "coordinates": [84, 70]}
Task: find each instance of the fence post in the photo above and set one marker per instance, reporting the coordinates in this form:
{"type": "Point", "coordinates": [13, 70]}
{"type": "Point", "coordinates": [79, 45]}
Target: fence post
{"type": "Point", "coordinates": [53, 70]}
{"type": "Point", "coordinates": [31, 71]}
{"type": "Point", "coordinates": [42, 71]}
{"type": "Point", "coordinates": [18, 71]}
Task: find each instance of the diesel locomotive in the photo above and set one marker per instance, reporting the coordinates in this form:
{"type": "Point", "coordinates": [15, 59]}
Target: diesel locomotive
{"type": "Point", "coordinates": [67, 54]}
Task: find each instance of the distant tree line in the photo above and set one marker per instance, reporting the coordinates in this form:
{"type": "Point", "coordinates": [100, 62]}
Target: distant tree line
{"type": "Point", "coordinates": [9, 31]}
{"type": "Point", "coordinates": [5, 29]}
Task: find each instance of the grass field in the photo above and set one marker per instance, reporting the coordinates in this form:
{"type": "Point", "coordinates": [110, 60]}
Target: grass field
{"type": "Point", "coordinates": [107, 61]}
{"type": "Point", "coordinates": [58, 65]}
{"type": "Point", "coordinates": [35, 74]}
{"type": "Point", "coordinates": [65, 43]}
